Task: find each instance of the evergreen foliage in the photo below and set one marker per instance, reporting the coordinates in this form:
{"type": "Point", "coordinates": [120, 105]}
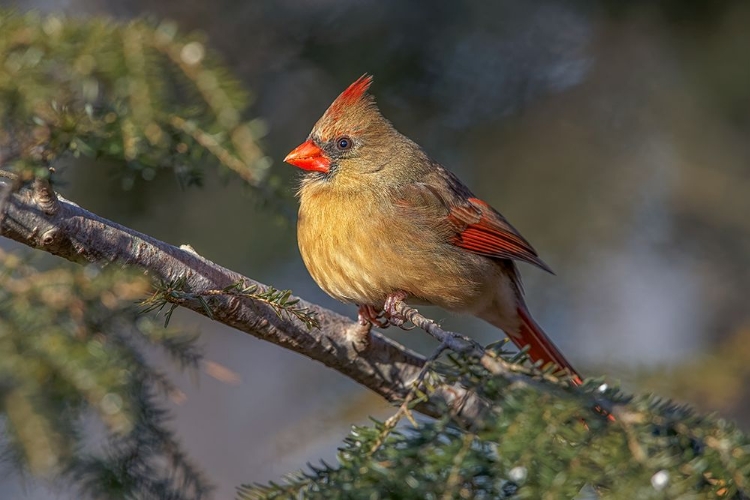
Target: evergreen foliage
{"type": "Point", "coordinates": [138, 93]}
{"type": "Point", "coordinates": [74, 339]}
{"type": "Point", "coordinates": [540, 441]}
{"type": "Point", "coordinates": [73, 343]}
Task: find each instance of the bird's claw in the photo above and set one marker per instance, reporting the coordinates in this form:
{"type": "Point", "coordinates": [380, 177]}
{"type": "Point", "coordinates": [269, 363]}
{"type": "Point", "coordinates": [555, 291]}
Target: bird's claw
{"type": "Point", "coordinates": [370, 315]}
{"type": "Point", "coordinates": [383, 318]}
{"type": "Point", "coordinates": [394, 317]}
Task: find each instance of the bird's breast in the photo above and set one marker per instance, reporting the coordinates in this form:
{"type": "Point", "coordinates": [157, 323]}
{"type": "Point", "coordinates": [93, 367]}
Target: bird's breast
{"type": "Point", "coordinates": [360, 249]}
{"type": "Point", "coordinates": [337, 248]}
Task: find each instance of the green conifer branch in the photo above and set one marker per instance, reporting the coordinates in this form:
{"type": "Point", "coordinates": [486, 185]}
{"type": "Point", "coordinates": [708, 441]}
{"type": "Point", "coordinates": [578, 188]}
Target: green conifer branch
{"type": "Point", "coordinates": [535, 444]}
{"type": "Point", "coordinates": [138, 92]}
{"type": "Point", "coordinates": [71, 339]}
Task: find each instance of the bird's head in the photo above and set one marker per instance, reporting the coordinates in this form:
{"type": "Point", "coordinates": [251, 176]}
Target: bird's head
{"type": "Point", "coordinates": [351, 139]}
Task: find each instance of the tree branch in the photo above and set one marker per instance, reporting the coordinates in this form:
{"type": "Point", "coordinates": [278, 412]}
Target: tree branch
{"type": "Point", "coordinates": [37, 217]}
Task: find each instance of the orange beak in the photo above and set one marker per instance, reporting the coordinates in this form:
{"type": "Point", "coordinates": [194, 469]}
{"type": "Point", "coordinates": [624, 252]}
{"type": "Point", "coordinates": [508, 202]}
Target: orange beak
{"type": "Point", "coordinates": [308, 156]}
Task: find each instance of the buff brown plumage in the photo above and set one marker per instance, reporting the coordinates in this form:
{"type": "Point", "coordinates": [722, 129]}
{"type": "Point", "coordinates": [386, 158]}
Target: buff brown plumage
{"type": "Point", "coordinates": [379, 219]}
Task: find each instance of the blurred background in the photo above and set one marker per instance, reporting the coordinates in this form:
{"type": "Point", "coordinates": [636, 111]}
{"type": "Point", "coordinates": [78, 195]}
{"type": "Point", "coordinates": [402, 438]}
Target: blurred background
{"type": "Point", "coordinates": [615, 136]}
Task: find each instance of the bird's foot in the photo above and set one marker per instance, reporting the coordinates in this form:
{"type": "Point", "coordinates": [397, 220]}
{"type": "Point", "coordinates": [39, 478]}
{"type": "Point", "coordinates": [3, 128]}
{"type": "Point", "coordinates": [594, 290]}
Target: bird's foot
{"type": "Point", "coordinates": [370, 315]}
{"type": "Point", "coordinates": [394, 317]}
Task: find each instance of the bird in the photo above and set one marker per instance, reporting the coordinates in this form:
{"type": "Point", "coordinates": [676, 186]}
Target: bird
{"type": "Point", "coordinates": [379, 222]}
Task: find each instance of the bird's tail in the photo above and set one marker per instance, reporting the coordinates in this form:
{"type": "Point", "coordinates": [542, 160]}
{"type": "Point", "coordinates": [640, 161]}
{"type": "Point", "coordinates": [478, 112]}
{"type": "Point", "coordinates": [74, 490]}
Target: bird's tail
{"type": "Point", "coordinates": [540, 345]}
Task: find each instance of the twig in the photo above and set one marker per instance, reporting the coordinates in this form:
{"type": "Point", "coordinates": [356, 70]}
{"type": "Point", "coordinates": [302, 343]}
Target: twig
{"type": "Point", "coordinates": [404, 410]}
{"type": "Point", "coordinates": [454, 341]}
{"type": "Point", "coordinates": [464, 345]}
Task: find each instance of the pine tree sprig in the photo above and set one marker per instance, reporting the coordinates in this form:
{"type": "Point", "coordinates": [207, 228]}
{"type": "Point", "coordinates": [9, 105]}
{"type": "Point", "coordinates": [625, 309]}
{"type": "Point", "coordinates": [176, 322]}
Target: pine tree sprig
{"type": "Point", "coordinates": [139, 93]}
{"type": "Point", "coordinates": [535, 443]}
{"type": "Point", "coordinates": [72, 340]}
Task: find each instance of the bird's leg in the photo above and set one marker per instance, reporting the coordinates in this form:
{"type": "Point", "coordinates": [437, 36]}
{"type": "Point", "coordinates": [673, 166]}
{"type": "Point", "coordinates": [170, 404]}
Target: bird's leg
{"type": "Point", "coordinates": [370, 315]}
{"type": "Point", "coordinates": [393, 316]}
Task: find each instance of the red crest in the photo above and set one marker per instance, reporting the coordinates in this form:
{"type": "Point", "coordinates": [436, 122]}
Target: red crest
{"type": "Point", "coordinates": [353, 93]}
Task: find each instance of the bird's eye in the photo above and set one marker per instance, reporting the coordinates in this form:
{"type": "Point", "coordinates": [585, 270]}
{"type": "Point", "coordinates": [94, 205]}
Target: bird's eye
{"type": "Point", "coordinates": [344, 143]}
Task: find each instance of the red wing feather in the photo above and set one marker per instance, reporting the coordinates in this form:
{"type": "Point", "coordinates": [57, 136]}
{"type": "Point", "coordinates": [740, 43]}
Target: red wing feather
{"type": "Point", "coordinates": [482, 230]}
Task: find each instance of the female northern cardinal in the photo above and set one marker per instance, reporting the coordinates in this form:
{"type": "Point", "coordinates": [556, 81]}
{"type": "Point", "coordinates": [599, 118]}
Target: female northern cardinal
{"type": "Point", "coordinates": [379, 221]}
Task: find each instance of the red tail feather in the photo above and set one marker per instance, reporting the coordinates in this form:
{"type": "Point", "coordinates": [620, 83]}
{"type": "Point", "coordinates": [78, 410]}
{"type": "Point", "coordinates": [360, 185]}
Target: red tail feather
{"type": "Point", "coordinates": [541, 347]}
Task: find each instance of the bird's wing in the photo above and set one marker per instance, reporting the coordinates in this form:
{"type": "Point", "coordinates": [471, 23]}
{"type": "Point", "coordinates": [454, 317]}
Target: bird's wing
{"type": "Point", "coordinates": [482, 230]}
{"type": "Point", "coordinates": [469, 222]}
